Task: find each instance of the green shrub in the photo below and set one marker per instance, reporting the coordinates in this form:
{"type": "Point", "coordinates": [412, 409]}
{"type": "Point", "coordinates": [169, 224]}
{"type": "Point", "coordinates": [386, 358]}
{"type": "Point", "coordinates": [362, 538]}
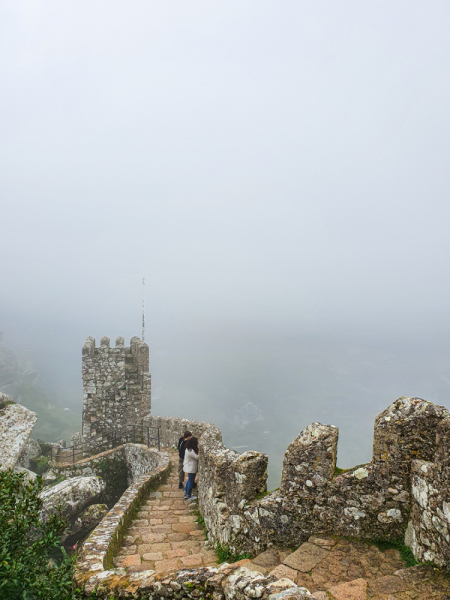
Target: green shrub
{"type": "Point", "coordinates": [39, 464]}
{"type": "Point", "coordinates": [27, 544]}
{"type": "Point", "coordinates": [6, 403]}
{"type": "Point", "coordinates": [398, 544]}
{"type": "Point", "coordinates": [46, 448]}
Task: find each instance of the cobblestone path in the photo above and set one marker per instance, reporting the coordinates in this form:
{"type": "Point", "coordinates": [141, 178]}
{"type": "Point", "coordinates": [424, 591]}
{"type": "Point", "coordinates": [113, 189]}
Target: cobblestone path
{"type": "Point", "coordinates": [165, 535]}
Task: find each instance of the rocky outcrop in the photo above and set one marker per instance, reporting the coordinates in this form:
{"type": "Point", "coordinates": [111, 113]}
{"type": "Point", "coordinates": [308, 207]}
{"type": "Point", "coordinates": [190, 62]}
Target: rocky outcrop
{"type": "Point", "coordinates": [72, 495]}
{"type": "Point", "coordinates": [16, 424]}
{"type": "Point", "coordinates": [89, 518]}
{"type": "Point", "coordinates": [29, 451]}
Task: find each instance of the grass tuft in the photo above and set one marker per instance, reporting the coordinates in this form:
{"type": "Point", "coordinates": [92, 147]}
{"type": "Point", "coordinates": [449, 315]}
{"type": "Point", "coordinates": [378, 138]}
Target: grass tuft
{"type": "Point", "coordinates": [398, 544]}
{"type": "Point", "coordinates": [201, 521]}
{"type": "Point", "coordinates": [224, 554]}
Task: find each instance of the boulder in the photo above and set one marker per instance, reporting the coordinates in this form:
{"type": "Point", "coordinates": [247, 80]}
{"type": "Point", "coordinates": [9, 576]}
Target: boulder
{"type": "Point", "coordinates": [72, 495]}
{"type": "Point", "coordinates": [89, 518]}
{"type": "Point", "coordinates": [29, 475]}
{"type": "Point", "coordinates": [16, 423]}
{"type": "Point", "coordinates": [29, 451]}
{"type": "Point", "coordinates": [86, 520]}
{"type": "Point", "coordinates": [49, 477]}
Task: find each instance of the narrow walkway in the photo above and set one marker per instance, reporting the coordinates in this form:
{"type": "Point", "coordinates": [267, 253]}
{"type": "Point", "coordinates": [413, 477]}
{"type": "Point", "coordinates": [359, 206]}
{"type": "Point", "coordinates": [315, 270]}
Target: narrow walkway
{"type": "Point", "coordinates": [165, 535]}
{"type": "Point", "coordinates": [333, 568]}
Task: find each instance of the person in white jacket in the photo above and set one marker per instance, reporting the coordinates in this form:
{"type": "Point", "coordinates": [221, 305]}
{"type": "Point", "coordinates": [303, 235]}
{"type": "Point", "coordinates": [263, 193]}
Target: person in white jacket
{"type": "Point", "coordinates": [190, 466]}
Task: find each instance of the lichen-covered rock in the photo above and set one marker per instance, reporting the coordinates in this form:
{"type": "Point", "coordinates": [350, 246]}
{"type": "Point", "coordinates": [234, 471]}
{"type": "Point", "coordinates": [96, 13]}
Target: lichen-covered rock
{"type": "Point", "coordinates": [76, 439]}
{"type": "Point", "coordinates": [310, 460]}
{"type": "Point", "coordinates": [89, 518]}
{"type": "Point", "coordinates": [428, 532]}
{"type": "Point", "coordinates": [227, 582]}
{"type": "Point", "coordinates": [72, 495]}
{"type": "Point", "coordinates": [50, 476]}
{"type": "Point", "coordinates": [406, 431]}
{"type": "Point", "coordinates": [285, 589]}
{"type": "Point", "coordinates": [369, 501]}
{"type": "Point", "coordinates": [29, 451]}
{"type": "Point", "coordinates": [16, 424]}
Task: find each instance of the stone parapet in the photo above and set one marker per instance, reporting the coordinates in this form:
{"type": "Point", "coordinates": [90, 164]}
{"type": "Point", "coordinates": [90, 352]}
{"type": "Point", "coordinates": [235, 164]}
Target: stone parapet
{"type": "Point", "coordinates": [172, 428]}
{"type": "Point", "coordinates": [368, 501]}
{"type": "Point", "coordinates": [119, 467]}
{"type": "Point", "coordinates": [428, 533]}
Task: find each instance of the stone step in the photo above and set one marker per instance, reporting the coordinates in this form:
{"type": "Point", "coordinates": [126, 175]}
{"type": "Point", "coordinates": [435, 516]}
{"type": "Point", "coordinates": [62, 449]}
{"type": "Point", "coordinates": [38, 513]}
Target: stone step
{"type": "Point", "coordinates": [332, 568]}
{"type": "Point", "coordinates": [165, 535]}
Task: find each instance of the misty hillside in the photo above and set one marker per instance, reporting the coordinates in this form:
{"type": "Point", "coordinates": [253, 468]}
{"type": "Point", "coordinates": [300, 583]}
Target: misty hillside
{"type": "Point", "coordinates": [19, 378]}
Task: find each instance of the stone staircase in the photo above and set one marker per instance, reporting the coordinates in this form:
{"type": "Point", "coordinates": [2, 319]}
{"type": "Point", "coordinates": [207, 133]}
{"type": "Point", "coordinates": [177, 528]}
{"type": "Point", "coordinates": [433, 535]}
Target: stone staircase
{"type": "Point", "coordinates": [165, 535]}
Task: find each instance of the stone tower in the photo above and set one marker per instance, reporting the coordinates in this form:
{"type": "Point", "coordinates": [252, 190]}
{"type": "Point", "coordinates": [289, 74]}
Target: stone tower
{"type": "Point", "coordinates": [116, 385]}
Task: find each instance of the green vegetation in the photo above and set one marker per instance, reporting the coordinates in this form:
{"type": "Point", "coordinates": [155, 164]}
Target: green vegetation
{"type": "Point", "coordinates": [339, 471]}
{"type": "Point", "coordinates": [45, 447]}
{"type": "Point", "coordinates": [113, 470]}
{"type": "Point", "coordinates": [53, 421]}
{"type": "Point", "coordinates": [5, 403]}
{"type": "Point", "coordinates": [224, 554]}
{"type": "Point", "coordinates": [398, 544]}
{"type": "Point", "coordinates": [262, 495]}
{"type": "Point", "coordinates": [28, 568]}
{"type": "Point", "coordinates": [201, 521]}
{"type": "Point", "coordinates": [39, 465]}
{"type": "Point", "coordinates": [26, 571]}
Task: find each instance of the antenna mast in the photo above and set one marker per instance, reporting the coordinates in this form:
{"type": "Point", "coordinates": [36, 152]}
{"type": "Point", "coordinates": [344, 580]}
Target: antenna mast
{"type": "Point", "coordinates": [143, 309]}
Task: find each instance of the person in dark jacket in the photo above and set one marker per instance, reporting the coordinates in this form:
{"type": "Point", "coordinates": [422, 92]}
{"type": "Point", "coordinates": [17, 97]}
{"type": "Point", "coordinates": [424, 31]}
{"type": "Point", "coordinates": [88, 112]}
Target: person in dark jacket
{"type": "Point", "coordinates": [181, 450]}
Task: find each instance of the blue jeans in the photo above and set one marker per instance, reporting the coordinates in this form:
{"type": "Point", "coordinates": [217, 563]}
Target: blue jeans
{"type": "Point", "coordinates": [189, 484]}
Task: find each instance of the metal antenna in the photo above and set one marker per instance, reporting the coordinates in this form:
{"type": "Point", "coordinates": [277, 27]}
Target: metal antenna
{"type": "Point", "coordinates": [143, 309]}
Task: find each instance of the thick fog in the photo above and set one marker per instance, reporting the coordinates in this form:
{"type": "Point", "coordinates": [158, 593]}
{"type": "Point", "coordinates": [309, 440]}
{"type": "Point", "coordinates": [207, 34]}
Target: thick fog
{"type": "Point", "coordinates": [279, 174]}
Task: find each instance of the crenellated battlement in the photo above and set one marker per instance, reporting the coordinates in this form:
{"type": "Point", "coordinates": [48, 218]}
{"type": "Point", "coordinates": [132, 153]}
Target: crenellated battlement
{"type": "Point", "coordinates": [116, 384]}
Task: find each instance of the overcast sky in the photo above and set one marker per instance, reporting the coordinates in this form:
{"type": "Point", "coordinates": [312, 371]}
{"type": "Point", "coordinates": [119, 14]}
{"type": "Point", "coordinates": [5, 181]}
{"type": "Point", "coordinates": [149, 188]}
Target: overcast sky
{"type": "Point", "coordinates": [279, 166]}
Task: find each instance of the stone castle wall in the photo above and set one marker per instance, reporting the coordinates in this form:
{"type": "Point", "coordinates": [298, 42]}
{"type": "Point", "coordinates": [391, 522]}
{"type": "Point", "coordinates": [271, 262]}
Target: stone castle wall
{"type": "Point", "coordinates": [428, 533]}
{"type": "Point", "coordinates": [116, 385]}
{"type": "Point", "coordinates": [369, 501]}
{"type": "Point", "coordinates": [172, 428]}
{"type": "Point", "coordinates": [119, 467]}
{"type": "Point", "coordinates": [405, 487]}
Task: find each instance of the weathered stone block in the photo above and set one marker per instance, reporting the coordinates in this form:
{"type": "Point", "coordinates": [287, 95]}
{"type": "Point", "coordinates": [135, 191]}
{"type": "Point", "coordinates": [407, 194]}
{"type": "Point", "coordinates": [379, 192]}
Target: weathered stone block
{"type": "Point", "coordinates": [306, 557]}
{"type": "Point", "coordinates": [16, 424]}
